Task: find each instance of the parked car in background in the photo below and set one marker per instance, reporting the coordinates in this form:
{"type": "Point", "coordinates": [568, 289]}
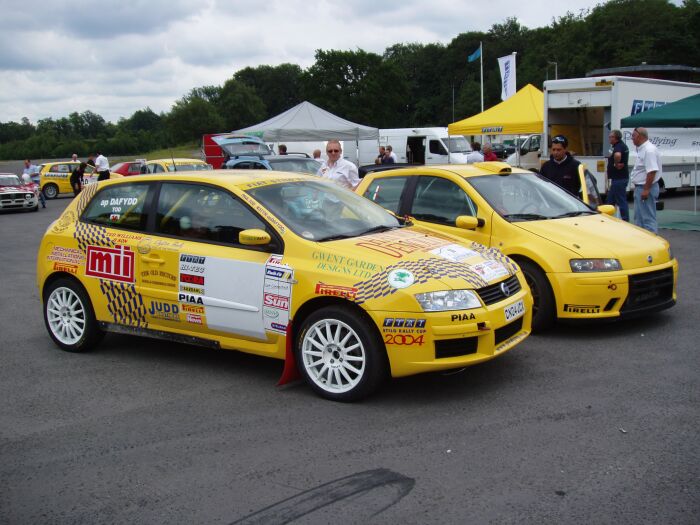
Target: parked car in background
{"type": "Point", "coordinates": [16, 195]}
{"type": "Point", "coordinates": [177, 164]}
{"type": "Point", "coordinates": [134, 167]}
{"type": "Point", "coordinates": [217, 148]}
{"type": "Point", "coordinates": [502, 150]}
{"type": "Point", "coordinates": [55, 177]}
{"type": "Point", "coordinates": [280, 265]}
{"type": "Point", "coordinates": [579, 263]}
{"type": "Point", "coordinates": [293, 163]}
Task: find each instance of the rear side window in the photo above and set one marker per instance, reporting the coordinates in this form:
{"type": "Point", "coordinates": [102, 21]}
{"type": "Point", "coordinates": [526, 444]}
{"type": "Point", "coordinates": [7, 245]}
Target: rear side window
{"type": "Point", "coordinates": [202, 213]}
{"type": "Point", "coordinates": [119, 206]}
{"type": "Point", "coordinates": [441, 200]}
{"type": "Point", "coordinates": [386, 192]}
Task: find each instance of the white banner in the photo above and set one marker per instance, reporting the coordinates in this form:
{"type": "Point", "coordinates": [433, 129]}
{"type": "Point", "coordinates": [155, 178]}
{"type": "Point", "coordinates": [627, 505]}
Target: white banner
{"type": "Point", "coordinates": [507, 66]}
{"type": "Point", "coordinates": [677, 142]}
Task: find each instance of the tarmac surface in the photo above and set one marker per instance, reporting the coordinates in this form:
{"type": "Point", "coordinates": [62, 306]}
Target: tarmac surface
{"type": "Point", "coordinates": [585, 424]}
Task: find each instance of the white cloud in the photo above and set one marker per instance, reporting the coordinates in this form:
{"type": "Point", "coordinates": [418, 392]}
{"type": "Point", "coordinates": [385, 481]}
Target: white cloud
{"type": "Point", "coordinates": [114, 58]}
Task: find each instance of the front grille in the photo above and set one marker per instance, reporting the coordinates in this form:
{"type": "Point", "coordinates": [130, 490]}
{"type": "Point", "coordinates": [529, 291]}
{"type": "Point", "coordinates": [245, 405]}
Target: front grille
{"type": "Point", "coordinates": [647, 290]}
{"type": "Point", "coordinates": [11, 196]}
{"type": "Point", "coordinates": [456, 347]}
{"type": "Point", "coordinates": [493, 293]}
{"type": "Point", "coordinates": [506, 332]}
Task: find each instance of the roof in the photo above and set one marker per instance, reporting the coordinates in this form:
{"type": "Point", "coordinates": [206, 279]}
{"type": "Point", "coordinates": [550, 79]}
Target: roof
{"type": "Point", "coordinates": [518, 115]}
{"type": "Point", "coordinates": [306, 122]}
{"type": "Point", "coordinates": [476, 169]}
{"type": "Point", "coordinates": [684, 113]}
{"type": "Point", "coordinates": [177, 161]}
{"type": "Point", "coordinates": [229, 178]}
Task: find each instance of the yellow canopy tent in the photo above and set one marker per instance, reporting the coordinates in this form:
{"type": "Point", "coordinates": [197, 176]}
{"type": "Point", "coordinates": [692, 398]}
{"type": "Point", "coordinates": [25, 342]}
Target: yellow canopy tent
{"type": "Point", "coordinates": [521, 114]}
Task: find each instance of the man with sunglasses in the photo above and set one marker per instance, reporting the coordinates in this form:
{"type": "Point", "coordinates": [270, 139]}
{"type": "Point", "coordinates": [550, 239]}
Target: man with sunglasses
{"type": "Point", "coordinates": [337, 169]}
{"type": "Point", "coordinates": [645, 177]}
{"type": "Point", "coordinates": [562, 167]}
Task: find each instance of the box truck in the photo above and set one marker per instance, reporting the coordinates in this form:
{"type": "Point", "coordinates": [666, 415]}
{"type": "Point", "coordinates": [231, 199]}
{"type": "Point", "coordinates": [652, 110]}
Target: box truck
{"type": "Point", "coordinates": [414, 146]}
{"type": "Point", "coordinates": [585, 110]}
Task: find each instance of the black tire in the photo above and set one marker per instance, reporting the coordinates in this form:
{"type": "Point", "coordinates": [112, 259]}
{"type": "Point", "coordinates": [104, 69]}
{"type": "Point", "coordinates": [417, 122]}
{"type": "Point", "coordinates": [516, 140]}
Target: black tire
{"type": "Point", "coordinates": [543, 307]}
{"type": "Point", "coordinates": [354, 363]}
{"type": "Point", "coordinates": [50, 190]}
{"type": "Point", "coordinates": [69, 317]}
{"type": "Point", "coordinates": [35, 208]}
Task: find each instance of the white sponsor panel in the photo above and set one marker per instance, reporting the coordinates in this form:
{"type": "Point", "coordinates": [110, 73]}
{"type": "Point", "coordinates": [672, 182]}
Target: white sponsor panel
{"type": "Point", "coordinates": [277, 294]}
{"type": "Point", "coordinates": [490, 270]}
{"type": "Point", "coordinates": [454, 252]}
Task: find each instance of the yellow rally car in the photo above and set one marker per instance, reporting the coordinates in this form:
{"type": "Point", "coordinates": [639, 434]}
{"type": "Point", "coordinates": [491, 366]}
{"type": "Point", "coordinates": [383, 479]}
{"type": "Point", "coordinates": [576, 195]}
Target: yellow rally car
{"type": "Point", "coordinates": [580, 263]}
{"type": "Point", "coordinates": [176, 165]}
{"type": "Point", "coordinates": [280, 265]}
{"type": "Point", "coordinates": [55, 177]}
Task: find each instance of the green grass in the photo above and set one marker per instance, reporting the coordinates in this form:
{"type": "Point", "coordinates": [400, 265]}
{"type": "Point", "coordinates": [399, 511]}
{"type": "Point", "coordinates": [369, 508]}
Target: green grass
{"type": "Point", "coordinates": [189, 150]}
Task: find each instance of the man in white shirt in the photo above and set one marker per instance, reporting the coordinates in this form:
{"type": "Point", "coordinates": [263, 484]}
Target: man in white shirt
{"type": "Point", "coordinates": [645, 176]}
{"type": "Point", "coordinates": [102, 167]}
{"type": "Point", "coordinates": [475, 155]}
{"type": "Point", "coordinates": [337, 169]}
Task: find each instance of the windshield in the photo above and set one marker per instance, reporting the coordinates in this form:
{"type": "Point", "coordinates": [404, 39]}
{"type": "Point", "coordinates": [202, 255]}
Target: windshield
{"type": "Point", "coordinates": [246, 148]}
{"type": "Point", "coordinates": [457, 144]}
{"type": "Point", "coordinates": [295, 165]}
{"type": "Point", "coordinates": [9, 180]}
{"type": "Point", "coordinates": [527, 197]}
{"type": "Point", "coordinates": [323, 211]}
{"type": "Point", "coordinates": [189, 167]}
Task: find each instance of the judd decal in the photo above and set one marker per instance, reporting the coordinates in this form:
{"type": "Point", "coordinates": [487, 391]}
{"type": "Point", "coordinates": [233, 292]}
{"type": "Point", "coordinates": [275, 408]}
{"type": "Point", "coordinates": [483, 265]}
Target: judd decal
{"type": "Point", "coordinates": [192, 279]}
{"type": "Point", "coordinates": [276, 301]}
{"type": "Point", "coordinates": [194, 318]}
{"type": "Point", "coordinates": [189, 298]}
{"type": "Point", "coordinates": [463, 317]}
{"type": "Point", "coordinates": [192, 309]}
{"type": "Point", "coordinates": [166, 311]}
{"type": "Point", "coordinates": [337, 291]}
{"type": "Point", "coordinates": [582, 308]}
{"type": "Point", "coordinates": [65, 267]}
{"type": "Point", "coordinates": [116, 264]}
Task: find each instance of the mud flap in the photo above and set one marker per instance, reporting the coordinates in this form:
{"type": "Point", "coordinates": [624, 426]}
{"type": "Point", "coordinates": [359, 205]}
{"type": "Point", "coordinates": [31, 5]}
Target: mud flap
{"type": "Point", "coordinates": [290, 372]}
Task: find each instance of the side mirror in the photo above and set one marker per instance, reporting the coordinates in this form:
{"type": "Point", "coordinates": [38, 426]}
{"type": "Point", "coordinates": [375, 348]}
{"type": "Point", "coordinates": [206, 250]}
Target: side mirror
{"type": "Point", "coordinates": [607, 209]}
{"type": "Point", "coordinates": [467, 222]}
{"type": "Point", "coordinates": [254, 237]}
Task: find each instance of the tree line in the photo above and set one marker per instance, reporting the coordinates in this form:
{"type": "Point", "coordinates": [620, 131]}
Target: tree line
{"type": "Point", "coordinates": [408, 85]}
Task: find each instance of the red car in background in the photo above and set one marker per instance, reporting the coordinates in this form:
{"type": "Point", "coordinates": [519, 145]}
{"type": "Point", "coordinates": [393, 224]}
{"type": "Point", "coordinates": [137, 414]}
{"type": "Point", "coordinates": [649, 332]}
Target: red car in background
{"type": "Point", "coordinates": [129, 168]}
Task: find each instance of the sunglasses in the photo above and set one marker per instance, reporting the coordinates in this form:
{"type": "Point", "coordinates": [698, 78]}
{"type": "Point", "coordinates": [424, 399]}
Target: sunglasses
{"type": "Point", "coordinates": [559, 140]}
{"type": "Point", "coordinates": [332, 151]}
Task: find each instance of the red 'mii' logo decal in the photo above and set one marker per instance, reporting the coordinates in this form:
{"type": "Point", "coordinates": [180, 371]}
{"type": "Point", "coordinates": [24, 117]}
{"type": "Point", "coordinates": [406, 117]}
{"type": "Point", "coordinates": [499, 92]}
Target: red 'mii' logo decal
{"type": "Point", "coordinates": [115, 263]}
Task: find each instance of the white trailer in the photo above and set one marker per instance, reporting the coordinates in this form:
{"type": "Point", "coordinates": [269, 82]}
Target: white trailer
{"type": "Point", "coordinates": [585, 110]}
{"type": "Point", "coordinates": [416, 146]}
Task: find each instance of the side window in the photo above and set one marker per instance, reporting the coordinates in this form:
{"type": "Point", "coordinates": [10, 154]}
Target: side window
{"type": "Point", "coordinates": [535, 143]}
{"type": "Point", "coordinates": [202, 213]}
{"type": "Point", "coordinates": [440, 200]}
{"type": "Point", "coordinates": [386, 192]}
{"type": "Point", "coordinates": [119, 206]}
{"type": "Point", "coordinates": [437, 147]}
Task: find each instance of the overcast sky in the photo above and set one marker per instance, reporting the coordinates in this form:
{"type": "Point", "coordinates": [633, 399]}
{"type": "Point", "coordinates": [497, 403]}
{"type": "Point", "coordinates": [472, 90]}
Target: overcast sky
{"type": "Point", "coordinates": [115, 57]}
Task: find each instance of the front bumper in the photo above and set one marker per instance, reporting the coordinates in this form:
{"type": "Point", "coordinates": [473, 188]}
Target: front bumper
{"type": "Point", "coordinates": [431, 341]}
{"type": "Point", "coordinates": [615, 294]}
{"type": "Point", "coordinates": [18, 201]}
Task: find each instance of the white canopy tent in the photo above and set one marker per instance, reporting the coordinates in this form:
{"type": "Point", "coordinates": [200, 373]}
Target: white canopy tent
{"type": "Point", "coordinates": [307, 122]}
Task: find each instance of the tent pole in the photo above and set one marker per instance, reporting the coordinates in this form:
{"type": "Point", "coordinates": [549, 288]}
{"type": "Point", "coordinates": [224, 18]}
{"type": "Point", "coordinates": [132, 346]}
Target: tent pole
{"type": "Point", "coordinates": [695, 189]}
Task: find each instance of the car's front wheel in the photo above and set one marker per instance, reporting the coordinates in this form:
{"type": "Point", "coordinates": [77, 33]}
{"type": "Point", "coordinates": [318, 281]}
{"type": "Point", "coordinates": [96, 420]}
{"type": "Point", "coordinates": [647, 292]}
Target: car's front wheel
{"type": "Point", "coordinates": [543, 308]}
{"type": "Point", "coordinates": [69, 317]}
{"type": "Point", "coordinates": [339, 354]}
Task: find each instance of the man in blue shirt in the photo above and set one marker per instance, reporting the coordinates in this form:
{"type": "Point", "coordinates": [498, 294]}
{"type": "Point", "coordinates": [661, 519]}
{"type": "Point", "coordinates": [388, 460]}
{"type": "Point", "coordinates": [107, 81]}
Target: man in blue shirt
{"type": "Point", "coordinates": [33, 171]}
{"type": "Point", "coordinates": [618, 174]}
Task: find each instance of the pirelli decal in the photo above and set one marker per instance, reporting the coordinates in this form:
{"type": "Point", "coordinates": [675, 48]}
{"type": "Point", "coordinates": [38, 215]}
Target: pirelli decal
{"type": "Point", "coordinates": [582, 308]}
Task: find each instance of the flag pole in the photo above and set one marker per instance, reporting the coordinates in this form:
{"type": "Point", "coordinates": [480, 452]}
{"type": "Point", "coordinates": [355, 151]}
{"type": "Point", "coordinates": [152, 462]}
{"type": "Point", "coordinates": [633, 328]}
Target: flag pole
{"type": "Point", "coordinates": [481, 62]}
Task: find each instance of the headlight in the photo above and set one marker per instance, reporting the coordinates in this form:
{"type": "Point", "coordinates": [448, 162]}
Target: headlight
{"type": "Point", "coordinates": [27, 196]}
{"type": "Point", "coordinates": [448, 300]}
{"type": "Point", "coordinates": [595, 265]}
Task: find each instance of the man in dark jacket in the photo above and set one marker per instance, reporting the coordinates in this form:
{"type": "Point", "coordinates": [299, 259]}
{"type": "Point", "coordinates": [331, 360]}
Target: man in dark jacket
{"type": "Point", "coordinates": [562, 168]}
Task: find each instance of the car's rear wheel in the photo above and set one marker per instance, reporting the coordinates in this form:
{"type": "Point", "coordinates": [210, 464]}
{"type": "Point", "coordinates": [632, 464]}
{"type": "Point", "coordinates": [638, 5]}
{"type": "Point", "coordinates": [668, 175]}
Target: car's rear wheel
{"type": "Point", "coordinates": [543, 307]}
{"type": "Point", "coordinates": [50, 191]}
{"type": "Point", "coordinates": [69, 316]}
{"type": "Point", "coordinates": [339, 355]}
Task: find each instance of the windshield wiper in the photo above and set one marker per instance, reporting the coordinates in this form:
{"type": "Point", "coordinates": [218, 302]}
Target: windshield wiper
{"type": "Point", "coordinates": [338, 236]}
{"type": "Point", "coordinates": [526, 216]}
{"type": "Point", "coordinates": [377, 229]}
{"type": "Point", "coordinates": [574, 214]}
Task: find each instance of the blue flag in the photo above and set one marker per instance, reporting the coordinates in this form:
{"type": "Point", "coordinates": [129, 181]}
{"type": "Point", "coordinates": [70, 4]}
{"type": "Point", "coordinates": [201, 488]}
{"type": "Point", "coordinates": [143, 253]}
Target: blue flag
{"type": "Point", "coordinates": [475, 55]}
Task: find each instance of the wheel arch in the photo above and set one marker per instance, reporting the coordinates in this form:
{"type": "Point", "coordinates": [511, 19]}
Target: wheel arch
{"type": "Point", "coordinates": [55, 276]}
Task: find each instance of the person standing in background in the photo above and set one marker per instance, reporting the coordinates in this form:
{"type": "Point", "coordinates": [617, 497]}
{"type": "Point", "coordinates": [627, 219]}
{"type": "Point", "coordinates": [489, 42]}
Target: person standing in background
{"type": "Point", "coordinates": [618, 174]}
{"type": "Point", "coordinates": [282, 149]}
{"type": "Point", "coordinates": [33, 172]}
{"type": "Point", "coordinates": [337, 169]}
{"type": "Point", "coordinates": [489, 155]}
{"type": "Point", "coordinates": [101, 167]}
{"type": "Point", "coordinates": [562, 167]}
{"type": "Point", "coordinates": [645, 177]}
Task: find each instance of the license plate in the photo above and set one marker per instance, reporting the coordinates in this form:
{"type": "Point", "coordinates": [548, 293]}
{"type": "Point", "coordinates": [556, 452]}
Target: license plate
{"type": "Point", "coordinates": [514, 310]}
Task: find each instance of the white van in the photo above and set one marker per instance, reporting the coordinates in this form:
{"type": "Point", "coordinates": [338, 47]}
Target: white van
{"type": "Point", "coordinates": [529, 155]}
{"type": "Point", "coordinates": [417, 146]}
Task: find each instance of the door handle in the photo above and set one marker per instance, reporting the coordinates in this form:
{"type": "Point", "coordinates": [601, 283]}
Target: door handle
{"type": "Point", "coordinates": [152, 260]}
